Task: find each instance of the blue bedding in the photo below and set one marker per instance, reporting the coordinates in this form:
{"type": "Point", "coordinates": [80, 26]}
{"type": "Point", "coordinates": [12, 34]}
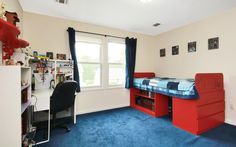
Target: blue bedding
{"type": "Point", "coordinates": [181, 88]}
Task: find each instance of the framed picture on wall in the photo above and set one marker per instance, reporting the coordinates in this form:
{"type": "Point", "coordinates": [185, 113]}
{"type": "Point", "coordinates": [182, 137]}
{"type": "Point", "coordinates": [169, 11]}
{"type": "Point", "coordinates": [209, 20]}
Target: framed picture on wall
{"type": "Point", "coordinates": [175, 50]}
{"type": "Point", "coordinates": [192, 47]}
{"type": "Point", "coordinates": [49, 55]}
{"type": "Point", "coordinates": [213, 43]}
{"type": "Point", "coordinates": [61, 56]}
{"type": "Point", "coordinates": [35, 53]}
{"type": "Point", "coordinates": [162, 52]}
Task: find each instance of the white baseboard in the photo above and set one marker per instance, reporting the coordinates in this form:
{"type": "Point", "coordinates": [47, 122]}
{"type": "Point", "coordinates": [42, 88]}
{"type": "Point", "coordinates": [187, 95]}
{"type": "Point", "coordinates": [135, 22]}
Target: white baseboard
{"type": "Point", "coordinates": [230, 122]}
{"type": "Point", "coordinates": [101, 109]}
{"type": "Point", "coordinates": [43, 117]}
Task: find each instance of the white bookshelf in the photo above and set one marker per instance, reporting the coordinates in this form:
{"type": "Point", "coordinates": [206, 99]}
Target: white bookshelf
{"type": "Point", "coordinates": [24, 106]}
{"type": "Point", "coordinates": [55, 69]}
{"type": "Point", "coordinates": [42, 91]}
{"type": "Point", "coordinates": [62, 67]}
{"type": "Point", "coordinates": [11, 106]}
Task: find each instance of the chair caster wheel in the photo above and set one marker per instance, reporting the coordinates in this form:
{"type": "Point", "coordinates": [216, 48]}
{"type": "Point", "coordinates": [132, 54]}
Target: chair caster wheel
{"type": "Point", "coordinates": [67, 129]}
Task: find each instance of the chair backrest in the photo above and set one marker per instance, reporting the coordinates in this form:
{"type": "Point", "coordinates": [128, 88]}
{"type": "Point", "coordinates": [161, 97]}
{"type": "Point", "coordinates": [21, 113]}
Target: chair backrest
{"type": "Point", "coordinates": [63, 96]}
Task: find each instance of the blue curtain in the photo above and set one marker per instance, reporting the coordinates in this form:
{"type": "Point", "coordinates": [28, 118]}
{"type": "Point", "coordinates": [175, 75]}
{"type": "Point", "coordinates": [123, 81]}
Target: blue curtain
{"type": "Point", "coordinates": [131, 44]}
{"type": "Point", "coordinates": [71, 33]}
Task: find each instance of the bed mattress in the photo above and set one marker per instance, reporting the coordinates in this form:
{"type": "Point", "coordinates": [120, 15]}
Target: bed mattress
{"type": "Point", "coordinates": [180, 88]}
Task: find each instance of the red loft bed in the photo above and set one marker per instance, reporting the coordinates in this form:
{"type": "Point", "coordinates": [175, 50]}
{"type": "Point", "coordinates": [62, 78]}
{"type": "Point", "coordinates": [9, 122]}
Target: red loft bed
{"type": "Point", "coordinates": [196, 115]}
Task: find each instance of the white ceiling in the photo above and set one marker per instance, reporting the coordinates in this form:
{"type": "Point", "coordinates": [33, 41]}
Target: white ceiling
{"type": "Point", "coordinates": [131, 15]}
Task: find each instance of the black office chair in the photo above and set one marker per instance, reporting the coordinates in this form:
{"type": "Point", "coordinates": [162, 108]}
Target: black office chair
{"type": "Point", "coordinates": [63, 97]}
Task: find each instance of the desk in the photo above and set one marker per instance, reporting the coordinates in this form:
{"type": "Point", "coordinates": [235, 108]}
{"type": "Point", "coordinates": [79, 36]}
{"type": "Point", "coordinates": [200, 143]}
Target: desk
{"type": "Point", "coordinates": [43, 99]}
{"type": "Point", "coordinates": [42, 103]}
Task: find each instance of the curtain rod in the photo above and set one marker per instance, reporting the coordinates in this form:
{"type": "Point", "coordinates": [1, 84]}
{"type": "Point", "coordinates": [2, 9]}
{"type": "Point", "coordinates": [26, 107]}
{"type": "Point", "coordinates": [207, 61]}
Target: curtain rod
{"type": "Point", "coordinates": [100, 34]}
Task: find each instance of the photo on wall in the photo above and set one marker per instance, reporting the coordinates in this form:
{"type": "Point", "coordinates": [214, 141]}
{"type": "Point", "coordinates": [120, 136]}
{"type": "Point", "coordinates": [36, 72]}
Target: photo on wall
{"type": "Point", "coordinates": [192, 47]}
{"type": "Point", "coordinates": [61, 56]}
{"type": "Point", "coordinates": [175, 50]}
{"type": "Point", "coordinates": [213, 43]}
{"type": "Point", "coordinates": [49, 55]}
{"type": "Point", "coordinates": [35, 53]}
{"type": "Point", "coordinates": [162, 52]}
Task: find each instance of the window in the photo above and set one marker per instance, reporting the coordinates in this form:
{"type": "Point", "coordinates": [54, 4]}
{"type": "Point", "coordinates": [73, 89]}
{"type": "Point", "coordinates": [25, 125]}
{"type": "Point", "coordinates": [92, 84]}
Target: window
{"type": "Point", "coordinates": [116, 61]}
{"type": "Point", "coordinates": [101, 61]}
{"type": "Point", "coordinates": [88, 53]}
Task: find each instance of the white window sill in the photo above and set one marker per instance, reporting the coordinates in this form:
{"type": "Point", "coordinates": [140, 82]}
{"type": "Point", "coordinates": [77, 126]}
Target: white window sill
{"type": "Point", "coordinates": [101, 89]}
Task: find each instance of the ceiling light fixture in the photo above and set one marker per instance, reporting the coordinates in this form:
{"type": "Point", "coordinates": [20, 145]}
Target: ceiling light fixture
{"type": "Point", "coordinates": [145, 1]}
{"type": "Point", "coordinates": [62, 1]}
{"type": "Point", "coordinates": [156, 24]}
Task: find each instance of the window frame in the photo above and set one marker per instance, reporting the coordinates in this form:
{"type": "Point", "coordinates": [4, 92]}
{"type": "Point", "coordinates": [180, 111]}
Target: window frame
{"type": "Point", "coordinates": [118, 41]}
{"type": "Point", "coordinates": [93, 63]}
{"type": "Point", "coordinates": [100, 62]}
{"type": "Point", "coordinates": [104, 63]}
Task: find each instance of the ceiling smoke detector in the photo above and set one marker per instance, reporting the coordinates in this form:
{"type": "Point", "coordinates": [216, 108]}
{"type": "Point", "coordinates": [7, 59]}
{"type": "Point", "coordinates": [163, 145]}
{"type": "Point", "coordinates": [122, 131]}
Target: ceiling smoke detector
{"type": "Point", "coordinates": [156, 24]}
{"type": "Point", "coordinates": [62, 1]}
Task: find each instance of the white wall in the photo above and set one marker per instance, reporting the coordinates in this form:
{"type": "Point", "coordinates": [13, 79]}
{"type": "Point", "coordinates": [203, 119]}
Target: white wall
{"type": "Point", "coordinates": [186, 64]}
{"type": "Point", "coordinates": [14, 6]}
{"type": "Point", "coordinates": [92, 101]}
{"type": "Point", "coordinates": [49, 34]}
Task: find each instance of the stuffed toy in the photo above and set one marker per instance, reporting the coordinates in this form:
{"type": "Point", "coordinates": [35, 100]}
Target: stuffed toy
{"type": "Point", "coordinates": [2, 11]}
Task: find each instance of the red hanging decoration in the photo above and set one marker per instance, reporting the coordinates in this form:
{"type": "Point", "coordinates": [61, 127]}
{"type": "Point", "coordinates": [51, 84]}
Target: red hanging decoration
{"type": "Point", "coordinates": [9, 38]}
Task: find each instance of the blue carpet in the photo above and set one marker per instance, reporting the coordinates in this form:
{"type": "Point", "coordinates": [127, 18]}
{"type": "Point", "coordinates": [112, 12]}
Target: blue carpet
{"type": "Point", "coordinates": [127, 127]}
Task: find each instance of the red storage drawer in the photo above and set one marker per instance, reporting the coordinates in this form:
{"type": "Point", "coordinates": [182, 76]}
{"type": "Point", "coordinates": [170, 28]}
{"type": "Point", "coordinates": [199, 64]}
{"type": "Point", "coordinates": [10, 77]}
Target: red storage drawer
{"type": "Point", "coordinates": [210, 97]}
{"type": "Point", "coordinates": [196, 119]}
{"type": "Point", "coordinates": [210, 122]}
{"type": "Point", "coordinates": [210, 109]}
